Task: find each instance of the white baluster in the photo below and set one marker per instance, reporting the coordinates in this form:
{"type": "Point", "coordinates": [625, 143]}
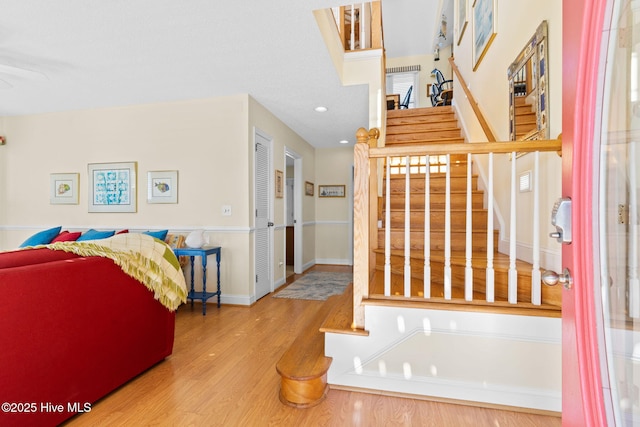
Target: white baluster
{"type": "Point", "coordinates": [407, 230]}
{"type": "Point", "coordinates": [490, 277]}
{"type": "Point", "coordinates": [468, 271]}
{"type": "Point", "coordinates": [387, 232]}
{"type": "Point", "coordinates": [447, 231]}
{"type": "Point", "coordinates": [513, 273]}
{"type": "Point", "coordinates": [536, 285]}
{"type": "Point", "coordinates": [427, 230]}
{"type": "Point", "coordinates": [363, 26]}
{"type": "Point", "coordinates": [353, 27]}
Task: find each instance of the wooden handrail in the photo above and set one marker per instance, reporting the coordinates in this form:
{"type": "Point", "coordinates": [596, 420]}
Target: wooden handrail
{"type": "Point", "coordinates": [465, 148]}
{"type": "Point", "coordinates": [474, 105]}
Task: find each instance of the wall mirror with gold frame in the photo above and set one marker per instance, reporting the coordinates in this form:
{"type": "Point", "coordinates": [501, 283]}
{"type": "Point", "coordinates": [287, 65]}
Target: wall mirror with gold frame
{"type": "Point", "coordinates": [529, 90]}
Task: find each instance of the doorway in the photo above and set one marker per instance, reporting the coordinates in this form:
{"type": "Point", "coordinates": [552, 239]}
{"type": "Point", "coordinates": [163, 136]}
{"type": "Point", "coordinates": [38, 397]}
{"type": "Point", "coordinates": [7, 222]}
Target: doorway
{"type": "Point", "coordinates": [289, 216]}
{"type": "Point", "coordinates": [263, 188]}
{"type": "Point", "coordinates": [293, 211]}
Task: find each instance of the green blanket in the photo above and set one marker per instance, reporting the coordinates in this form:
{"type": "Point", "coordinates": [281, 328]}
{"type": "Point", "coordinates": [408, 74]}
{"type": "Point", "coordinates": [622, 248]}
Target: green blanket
{"type": "Point", "coordinates": [149, 260]}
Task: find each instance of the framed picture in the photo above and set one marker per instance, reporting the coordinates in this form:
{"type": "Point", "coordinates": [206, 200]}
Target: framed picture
{"type": "Point", "coordinates": [112, 187]}
{"type": "Point", "coordinates": [308, 188]}
{"type": "Point", "coordinates": [279, 184]}
{"type": "Point", "coordinates": [64, 188]}
{"type": "Point", "coordinates": [461, 18]}
{"type": "Point", "coordinates": [331, 190]}
{"type": "Point", "coordinates": [484, 28]}
{"type": "Point", "coordinates": [162, 187]}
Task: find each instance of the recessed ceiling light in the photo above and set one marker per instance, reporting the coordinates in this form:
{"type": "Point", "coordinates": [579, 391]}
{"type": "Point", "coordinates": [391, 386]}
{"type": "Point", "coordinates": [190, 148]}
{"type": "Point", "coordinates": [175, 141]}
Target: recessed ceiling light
{"type": "Point", "coordinates": [321, 109]}
{"type": "Point", "coordinates": [344, 141]}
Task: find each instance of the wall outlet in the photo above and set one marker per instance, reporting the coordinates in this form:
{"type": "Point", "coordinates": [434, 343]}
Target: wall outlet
{"type": "Point", "coordinates": [226, 210]}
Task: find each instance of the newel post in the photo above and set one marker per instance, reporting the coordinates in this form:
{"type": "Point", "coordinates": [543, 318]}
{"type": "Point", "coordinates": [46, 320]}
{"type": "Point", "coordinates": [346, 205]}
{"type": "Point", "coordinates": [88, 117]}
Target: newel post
{"type": "Point", "coordinates": [361, 235]}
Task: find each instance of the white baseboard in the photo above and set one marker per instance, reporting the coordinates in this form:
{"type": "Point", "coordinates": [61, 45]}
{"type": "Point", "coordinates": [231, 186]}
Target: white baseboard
{"type": "Point", "coordinates": [333, 261]}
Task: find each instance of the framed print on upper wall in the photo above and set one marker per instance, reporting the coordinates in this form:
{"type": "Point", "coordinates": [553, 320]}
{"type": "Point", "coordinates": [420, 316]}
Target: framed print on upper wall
{"type": "Point", "coordinates": [112, 187]}
{"type": "Point", "coordinates": [462, 18]}
{"type": "Point", "coordinates": [484, 28]}
{"type": "Point", "coordinates": [64, 188]}
{"type": "Point", "coordinates": [162, 187]}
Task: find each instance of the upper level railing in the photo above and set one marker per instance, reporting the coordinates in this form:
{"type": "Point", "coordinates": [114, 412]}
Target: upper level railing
{"type": "Point", "coordinates": [369, 163]}
{"type": "Point", "coordinates": [359, 25]}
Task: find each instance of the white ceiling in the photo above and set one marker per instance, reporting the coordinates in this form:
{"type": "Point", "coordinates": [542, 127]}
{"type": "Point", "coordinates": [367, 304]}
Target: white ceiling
{"type": "Point", "coordinates": [76, 54]}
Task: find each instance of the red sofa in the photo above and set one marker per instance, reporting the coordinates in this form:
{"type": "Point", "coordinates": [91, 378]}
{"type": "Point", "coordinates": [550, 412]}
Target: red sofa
{"type": "Point", "coordinates": [72, 329]}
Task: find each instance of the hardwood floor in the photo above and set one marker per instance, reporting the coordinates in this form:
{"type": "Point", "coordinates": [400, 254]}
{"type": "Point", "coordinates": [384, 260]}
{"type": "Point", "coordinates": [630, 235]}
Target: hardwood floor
{"type": "Point", "coordinates": [222, 373]}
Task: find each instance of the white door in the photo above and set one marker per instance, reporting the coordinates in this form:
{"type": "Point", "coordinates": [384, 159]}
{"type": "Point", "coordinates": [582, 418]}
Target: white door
{"type": "Point", "coordinates": [263, 224]}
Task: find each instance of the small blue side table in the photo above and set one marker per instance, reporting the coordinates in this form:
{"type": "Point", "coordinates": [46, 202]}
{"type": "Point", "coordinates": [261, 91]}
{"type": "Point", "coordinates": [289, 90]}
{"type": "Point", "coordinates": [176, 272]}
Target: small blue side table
{"type": "Point", "coordinates": [203, 252]}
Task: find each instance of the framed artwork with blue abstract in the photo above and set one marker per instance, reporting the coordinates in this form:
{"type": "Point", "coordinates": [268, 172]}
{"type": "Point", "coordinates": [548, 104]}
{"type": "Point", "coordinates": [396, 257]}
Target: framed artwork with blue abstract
{"type": "Point", "coordinates": [113, 187]}
{"type": "Point", "coordinates": [484, 28]}
{"type": "Point", "coordinates": [162, 187]}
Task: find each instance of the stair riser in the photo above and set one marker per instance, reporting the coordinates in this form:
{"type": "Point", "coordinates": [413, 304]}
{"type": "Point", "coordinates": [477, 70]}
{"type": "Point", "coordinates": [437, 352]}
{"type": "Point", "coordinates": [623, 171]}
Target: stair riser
{"type": "Point", "coordinates": [550, 296]}
{"type": "Point", "coordinates": [426, 141]}
{"type": "Point", "coordinates": [420, 112]}
{"type": "Point", "coordinates": [478, 243]}
{"type": "Point", "coordinates": [458, 219]}
{"type": "Point", "coordinates": [423, 136]}
{"type": "Point", "coordinates": [437, 200]}
{"type": "Point", "coordinates": [501, 287]}
{"type": "Point", "coordinates": [437, 183]}
{"type": "Point", "coordinates": [405, 126]}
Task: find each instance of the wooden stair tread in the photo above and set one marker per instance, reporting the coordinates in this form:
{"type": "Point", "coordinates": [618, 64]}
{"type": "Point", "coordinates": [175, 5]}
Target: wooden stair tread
{"type": "Point", "coordinates": [477, 305]}
{"type": "Point", "coordinates": [305, 358]}
{"type": "Point", "coordinates": [340, 320]}
{"type": "Point", "coordinates": [478, 259]}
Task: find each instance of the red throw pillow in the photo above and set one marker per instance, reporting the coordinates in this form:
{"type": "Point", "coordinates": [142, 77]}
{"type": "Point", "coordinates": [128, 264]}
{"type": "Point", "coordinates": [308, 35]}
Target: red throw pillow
{"type": "Point", "coordinates": [66, 236]}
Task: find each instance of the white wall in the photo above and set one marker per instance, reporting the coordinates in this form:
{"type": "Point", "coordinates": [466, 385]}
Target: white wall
{"type": "Point", "coordinates": [516, 23]}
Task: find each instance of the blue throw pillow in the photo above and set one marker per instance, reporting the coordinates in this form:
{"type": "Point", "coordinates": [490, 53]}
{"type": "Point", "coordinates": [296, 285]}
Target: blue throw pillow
{"type": "Point", "coordinates": [42, 237]}
{"type": "Point", "coordinates": [92, 234]}
{"type": "Point", "coordinates": [160, 235]}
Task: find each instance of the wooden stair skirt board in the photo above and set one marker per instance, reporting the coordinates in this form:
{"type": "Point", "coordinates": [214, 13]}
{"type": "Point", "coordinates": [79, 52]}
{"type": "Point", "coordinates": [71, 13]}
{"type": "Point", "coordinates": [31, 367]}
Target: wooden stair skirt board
{"type": "Point", "coordinates": [303, 367]}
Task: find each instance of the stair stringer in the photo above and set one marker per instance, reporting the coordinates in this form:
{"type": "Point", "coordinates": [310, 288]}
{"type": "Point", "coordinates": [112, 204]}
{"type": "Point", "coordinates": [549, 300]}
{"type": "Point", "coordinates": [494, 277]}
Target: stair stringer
{"type": "Point", "coordinates": [476, 357]}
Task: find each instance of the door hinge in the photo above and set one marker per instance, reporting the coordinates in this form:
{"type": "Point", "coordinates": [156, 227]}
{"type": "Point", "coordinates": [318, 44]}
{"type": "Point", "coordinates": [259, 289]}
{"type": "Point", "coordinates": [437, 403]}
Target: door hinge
{"type": "Point", "coordinates": [256, 278]}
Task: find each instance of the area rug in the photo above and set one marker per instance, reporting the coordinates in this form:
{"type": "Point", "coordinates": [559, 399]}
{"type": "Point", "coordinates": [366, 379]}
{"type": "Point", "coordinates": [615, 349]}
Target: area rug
{"type": "Point", "coordinates": [316, 285]}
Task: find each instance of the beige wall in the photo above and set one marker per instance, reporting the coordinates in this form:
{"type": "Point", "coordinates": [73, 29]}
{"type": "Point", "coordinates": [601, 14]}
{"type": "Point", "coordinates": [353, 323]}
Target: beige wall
{"type": "Point", "coordinates": [284, 138]}
{"type": "Point", "coordinates": [516, 23]}
{"type": "Point", "coordinates": [334, 215]}
{"type": "Point", "coordinates": [208, 141]}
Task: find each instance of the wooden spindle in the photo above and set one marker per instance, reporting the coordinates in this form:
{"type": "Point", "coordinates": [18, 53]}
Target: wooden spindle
{"type": "Point", "coordinates": [387, 231]}
{"type": "Point", "coordinates": [490, 273]}
{"type": "Point", "coordinates": [427, 231]}
{"type": "Point", "coordinates": [536, 284]}
{"type": "Point", "coordinates": [447, 230]}
{"type": "Point", "coordinates": [513, 273]}
{"type": "Point", "coordinates": [407, 229]}
{"type": "Point", "coordinates": [468, 270]}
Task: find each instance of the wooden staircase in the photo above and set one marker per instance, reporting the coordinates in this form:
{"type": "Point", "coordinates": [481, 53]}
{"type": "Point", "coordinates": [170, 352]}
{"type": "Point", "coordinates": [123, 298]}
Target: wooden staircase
{"type": "Point", "coordinates": [303, 367]}
{"type": "Point", "coordinates": [438, 125]}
